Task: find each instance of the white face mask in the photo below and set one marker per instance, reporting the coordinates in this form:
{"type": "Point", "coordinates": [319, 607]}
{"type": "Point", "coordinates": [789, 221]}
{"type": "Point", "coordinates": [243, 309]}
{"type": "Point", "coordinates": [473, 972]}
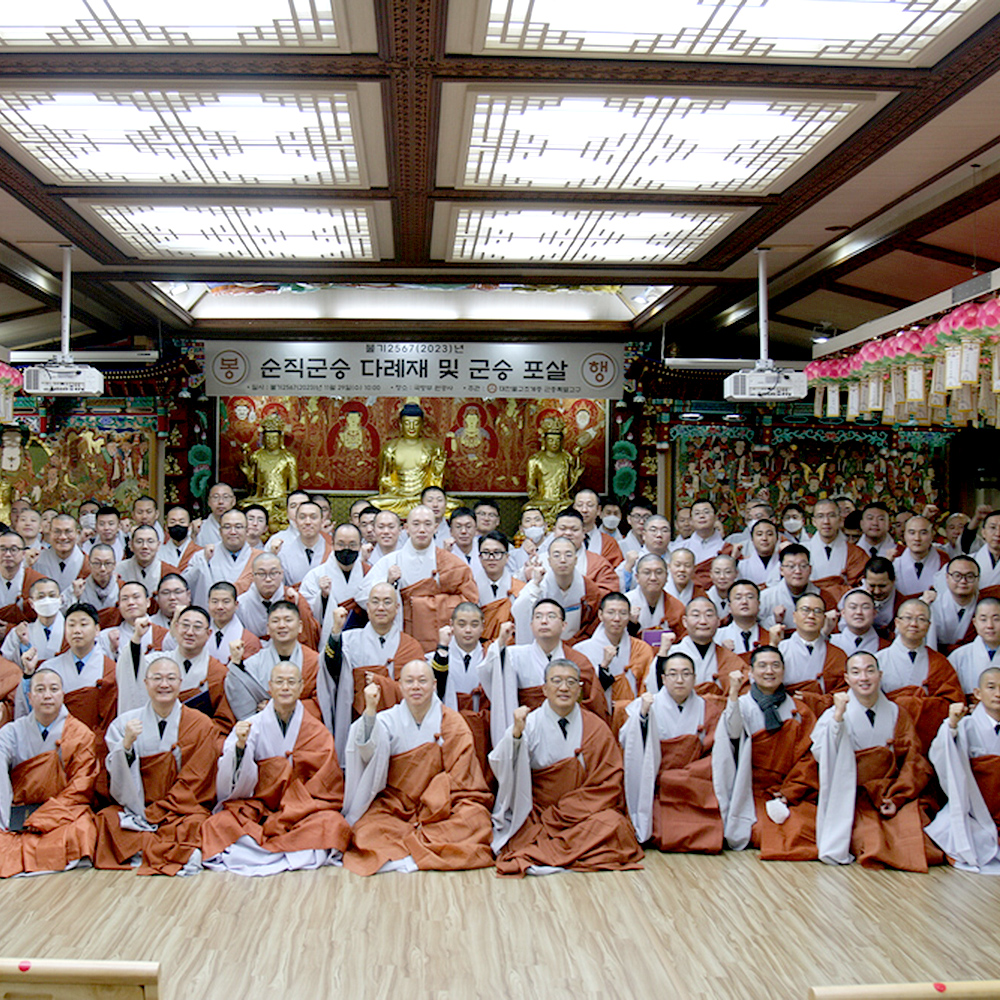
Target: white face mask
{"type": "Point", "coordinates": [535, 533]}
{"type": "Point", "coordinates": [46, 606]}
{"type": "Point", "coordinates": [792, 524]}
{"type": "Point", "coordinates": [88, 521]}
{"type": "Point", "coordinates": [610, 522]}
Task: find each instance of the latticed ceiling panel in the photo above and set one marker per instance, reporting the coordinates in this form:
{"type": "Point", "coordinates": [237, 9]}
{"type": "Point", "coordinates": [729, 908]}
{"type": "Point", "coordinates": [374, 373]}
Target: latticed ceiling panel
{"type": "Point", "coordinates": [188, 135]}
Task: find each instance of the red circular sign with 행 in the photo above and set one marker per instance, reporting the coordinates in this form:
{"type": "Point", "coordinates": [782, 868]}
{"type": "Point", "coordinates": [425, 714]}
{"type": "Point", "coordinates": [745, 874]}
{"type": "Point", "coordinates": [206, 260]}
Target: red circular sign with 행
{"type": "Point", "coordinates": [230, 367]}
{"type": "Point", "coordinates": [599, 369]}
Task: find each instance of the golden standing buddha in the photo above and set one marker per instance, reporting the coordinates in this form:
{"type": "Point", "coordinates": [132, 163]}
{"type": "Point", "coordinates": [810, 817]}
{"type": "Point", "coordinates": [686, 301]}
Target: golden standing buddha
{"type": "Point", "coordinates": [552, 471]}
{"type": "Point", "coordinates": [408, 464]}
{"type": "Point", "coordinates": [272, 471]}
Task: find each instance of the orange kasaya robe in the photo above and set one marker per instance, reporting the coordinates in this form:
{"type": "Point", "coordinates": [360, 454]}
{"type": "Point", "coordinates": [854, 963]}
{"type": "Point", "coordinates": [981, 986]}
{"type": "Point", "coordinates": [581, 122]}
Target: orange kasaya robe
{"type": "Point", "coordinates": [927, 703]}
{"type": "Point", "coordinates": [10, 678]}
{"type": "Point", "coordinates": [782, 763]}
{"type": "Point", "coordinates": [435, 808]}
{"type": "Point", "coordinates": [577, 818]}
{"type": "Point", "coordinates": [392, 694]}
{"type": "Point", "coordinates": [631, 682]}
{"type": "Point", "coordinates": [428, 603]}
{"type": "Point", "coordinates": [177, 801]}
{"type": "Point", "coordinates": [62, 830]}
{"type": "Point", "coordinates": [686, 813]}
{"type": "Point", "coordinates": [898, 773]}
{"type": "Point", "coordinates": [296, 804]}
{"type": "Point", "coordinates": [591, 693]}
{"type": "Point", "coordinates": [222, 715]}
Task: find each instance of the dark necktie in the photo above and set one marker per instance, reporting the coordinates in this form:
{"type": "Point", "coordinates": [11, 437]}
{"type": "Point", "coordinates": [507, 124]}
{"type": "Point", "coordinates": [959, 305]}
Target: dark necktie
{"type": "Point", "coordinates": [9, 584]}
{"type": "Point", "coordinates": [80, 664]}
{"type": "Point", "coordinates": [468, 658]}
{"type": "Point", "coordinates": [829, 550]}
{"type": "Point", "coordinates": [47, 629]}
{"type": "Point", "coordinates": [495, 587]}
{"type": "Point", "coordinates": [746, 641]}
{"type": "Point", "coordinates": [235, 555]}
{"type": "Point", "coordinates": [187, 666]}
{"type": "Point", "coordinates": [564, 726]}
{"type": "Point", "coordinates": [381, 639]}
{"type": "Point", "coordinates": [993, 559]}
{"type": "Point", "coordinates": [874, 550]}
{"type": "Point", "coordinates": [143, 572]}
{"type": "Point", "coordinates": [680, 707]}
{"type": "Point", "coordinates": [990, 652]}
{"type": "Point", "coordinates": [586, 545]}
{"type": "Point", "coordinates": [996, 729]}
{"type": "Point", "coordinates": [913, 656]}
{"type": "Point", "coordinates": [810, 648]}
{"type": "Point", "coordinates": [161, 725]}
{"type": "Point", "coordinates": [218, 638]}
{"type": "Point", "coordinates": [62, 567]}
{"type": "Point", "coordinates": [45, 733]}
{"type": "Point", "coordinates": [961, 611]}
{"type": "Point", "coordinates": [309, 555]}
{"type": "Point", "coordinates": [919, 567]}
{"type": "Point", "coordinates": [857, 642]}
{"type": "Point", "coordinates": [870, 712]}
{"type": "Point", "coordinates": [267, 606]}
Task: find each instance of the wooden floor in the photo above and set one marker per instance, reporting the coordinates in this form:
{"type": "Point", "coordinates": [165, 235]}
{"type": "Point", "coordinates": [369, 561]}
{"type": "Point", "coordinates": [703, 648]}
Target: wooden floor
{"type": "Point", "coordinates": [722, 927]}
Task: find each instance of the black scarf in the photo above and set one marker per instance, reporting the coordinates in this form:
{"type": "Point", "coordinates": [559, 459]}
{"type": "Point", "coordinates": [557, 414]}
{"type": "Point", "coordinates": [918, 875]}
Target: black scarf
{"type": "Point", "coordinates": [769, 704]}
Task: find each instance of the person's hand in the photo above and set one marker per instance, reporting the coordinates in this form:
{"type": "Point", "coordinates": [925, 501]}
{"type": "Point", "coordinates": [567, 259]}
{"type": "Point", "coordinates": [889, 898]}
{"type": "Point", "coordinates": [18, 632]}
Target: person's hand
{"type": "Point", "coordinates": [537, 575]}
{"type": "Point", "coordinates": [520, 717]}
{"type": "Point", "coordinates": [30, 556]}
{"type": "Point", "coordinates": [394, 574]}
{"type": "Point", "coordinates": [175, 623]}
{"type": "Point", "coordinates": [21, 631]}
{"type": "Point", "coordinates": [644, 704]}
{"type": "Point", "coordinates": [779, 614]}
{"type": "Point", "coordinates": [77, 585]}
{"type": "Point", "coordinates": [262, 704]}
{"type": "Point", "coordinates": [930, 511]}
{"type": "Point", "coordinates": [775, 634]}
{"type": "Point", "coordinates": [667, 639]}
{"type": "Point", "coordinates": [447, 543]}
{"type": "Point", "coordinates": [195, 528]}
{"type": "Point", "coordinates": [325, 583]}
{"type": "Point", "coordinates": [633, 615]}
{"type": "Point", "coordinates": [114, 640]}
{"type": "Point", "coordinates": [887, 808]}
{"type": "Point", "coordinates": [840, 700]}
{"type": "Point", "coordinates": [29, 661]}
{"type": "Point", "coordinates": [236, 651]}
{"type": "Point", "coordinates": [242, 730]}
{"type": "Point", "coordinates": [528, 547]}
{"type": "Point", "coordinates": [608, 655]}
{"type": "Point", "coordinates": [955, 712]}
{"type": "Point", "coordinates": [736, 679]}
{"type": "Point", "coordinates": [444, 635]}
{"type": "Point", "coordinates": [276, 544]}
{"type": "Point", "coordinates": [367, 548]}
{"type": "Point", "coordinates": [340, 616]}
{"type": "Point", "coordinates": [373, 694]}
{"type": "Point", "coordinates": [729, 644]}
{"type": "Point", "coordinates": [737, 552]}
{"type": "Point", "coordinates": [133, 730]}
{"type": "Point", "coordinates": [929, 596]}
{"type": "Point", "coordinates": [631, 558]}
{"type": "Point", "coordinates": [143, 623]}
{"type": "Point", "coordinates": [291, 594]}
{"type": "Point", "coordinates": [209, 551]}
{"type": "Point", "coordinates": [830, 622]}
{"type": "Point", "coordinates": [505, 634]}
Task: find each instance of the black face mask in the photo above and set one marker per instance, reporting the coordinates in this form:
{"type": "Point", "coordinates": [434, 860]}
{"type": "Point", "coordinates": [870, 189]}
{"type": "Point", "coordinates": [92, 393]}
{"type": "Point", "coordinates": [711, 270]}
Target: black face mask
{"type": "Point", "coordinates": [178, 532]}
{"type": "Point", "coordinates": [346, 557]}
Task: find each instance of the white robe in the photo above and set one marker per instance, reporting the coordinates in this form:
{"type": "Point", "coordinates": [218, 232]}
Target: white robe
{"type": "Point", "coordinates": [801, 664]}
{"type": "Point", "coordinates": [908, 580]}
{"type": "Point", "coordinates": [964, 829]}
{"type": "Point", "coordinates": [132, 685]}
{"type": "Point", "coordinates": [463, 678]}
{"type": "Point", "coordinates": [266, 740]}
{"type": "Point", "coordinates": [754, 568]}
{"type": "Point", "coordinates": [779, 595]}
{"type": "Point", "coordinates": [970, 661]}
{"type": "Point", "coordinates": [222, 567]}
{"type": "Point", "coordinates": [593, 649]}
{"type": "Point", "coordinates": [342, 589]}
{"type": "Point", "coordinates": [647, 619]}
{"type": "Point", "coordinates": [296, 563]}
{"type": "Point", "coordinates": [642, 759]}
{"type": "Point", "coordinates": [248, 685]}
{"type": "Point", "coordinates": [847, 642]}
{"type": "Point", "coordinates": [824, 565]}
{"type": "Point", "coordinates": [834, 745]}
{"type": "Point", "coordinates": [251, 611]}
{"type": "Point", "coordinates": [542, 744]}
{"type": "Point", "coordinates": [47, 646]}
{"type": "Point", "coordinates": [48, 565]}
{"type": "Point", "coordinates": [571, 601]}
{"type": "Point", "coordinates": [949, 619]}
{"type": "Point", "coordinates": [898, 669]}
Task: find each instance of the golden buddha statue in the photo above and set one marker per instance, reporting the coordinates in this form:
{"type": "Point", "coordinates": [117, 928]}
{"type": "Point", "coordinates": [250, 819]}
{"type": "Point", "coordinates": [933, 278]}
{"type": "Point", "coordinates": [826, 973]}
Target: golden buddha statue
{"type": "Point", "coordinates": [272, 471]}
{"type": "Point", "coordinates": [408, 464]}
{"type": "Point", "coordinates": [552, 471]}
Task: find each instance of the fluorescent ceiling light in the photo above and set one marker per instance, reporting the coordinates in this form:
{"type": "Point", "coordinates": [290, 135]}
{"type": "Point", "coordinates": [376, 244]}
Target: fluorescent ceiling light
{"type": "Point", "coordinates": [826, 30]}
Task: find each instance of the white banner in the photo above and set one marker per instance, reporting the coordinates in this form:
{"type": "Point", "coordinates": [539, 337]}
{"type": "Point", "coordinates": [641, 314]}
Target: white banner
{"type": "Point", "coordinates": [421, 368]}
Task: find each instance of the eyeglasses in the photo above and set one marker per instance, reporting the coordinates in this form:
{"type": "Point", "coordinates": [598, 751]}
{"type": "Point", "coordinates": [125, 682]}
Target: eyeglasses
{"type": "Point", "coordinates": [11, 549]}
{"type": "Point", "coordinates": [914, 619]}
{"type": "Point", "coordinates": [678, 675]}
{"type": "Point", "coordinates": [964, 577]}
{"type": "Point", "coordinates": [550, 617]}
{"type": "Point", "coordinates": [161, 678]}
{"type": "Point", "coordinates": [173, 592]}
{"type": "Point", "coordinates": [811, 612]}
{"type": "Point", "coordinates": [268, 574]}
{"type": "Point", "coordinates": [490, 556]}
{"type": "Point", "coordinates": [563, 682]}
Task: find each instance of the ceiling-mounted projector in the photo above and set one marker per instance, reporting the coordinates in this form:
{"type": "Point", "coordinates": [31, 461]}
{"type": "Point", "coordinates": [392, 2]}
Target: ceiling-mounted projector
{"type": "Point", "coordinates": [765, 385]}
{"type": "Point", "coordinates": [63, 379]}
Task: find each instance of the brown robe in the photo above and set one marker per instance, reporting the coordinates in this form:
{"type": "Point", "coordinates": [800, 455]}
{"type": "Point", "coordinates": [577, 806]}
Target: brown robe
{"type": "Point", "coordinates": [296, 804]}
{"type": "Point", "coordinates": [686, 813]}
{"type": "Point", "coordinates": [640, 661]}
{"type": "Point", "coordinates": [783, 764]}
{"type": "Point", "coordinates": [428, 603]}
{"type": "Point", "coordinates": [62, 830]}
{"type": "Point", "coordinates": [435, 808]}
{"type": "Point", "coordinates": [591, 693]}
{"type": "Point", "coordinates": [177, 801]}
{"type": "Point", "coordinates": [702, 575]}
{"type": "Point", "coordinates": [222, 715]}
{"type": "Point", "coordinates": [927, 703]}
{"type": "Point", "coordinates": [10, 678]}
{"type": "Point", "coordinates": [14, 614]}
{"type": "Point", "coordinates": [602, 573]}
{"type": "Point", "coordinates": [577, 817]}
{"type": "Point", "coordinates": [896, 773]}
{"type": "Point", "coordinates": [392, 694]}
{"type": "Point", "coordinates": [834, 587]}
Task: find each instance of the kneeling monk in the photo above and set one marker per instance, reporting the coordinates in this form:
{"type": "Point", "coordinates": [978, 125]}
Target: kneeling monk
{"type": "Point", "coordinates": [48, 768]}
{"type": "Point", "coordinates": [280, 788]}
{"type": "Point", "coordinates": [561, 802]}
{"type": "Point", "coordinates": [415, 792]}
{"type": "Point", "coordinates": [162, 769]}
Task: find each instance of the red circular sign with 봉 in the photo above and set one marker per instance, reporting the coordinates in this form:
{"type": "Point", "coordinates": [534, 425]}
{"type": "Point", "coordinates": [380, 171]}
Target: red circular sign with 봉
{"type": "Point", "coordinates": [230, 367]}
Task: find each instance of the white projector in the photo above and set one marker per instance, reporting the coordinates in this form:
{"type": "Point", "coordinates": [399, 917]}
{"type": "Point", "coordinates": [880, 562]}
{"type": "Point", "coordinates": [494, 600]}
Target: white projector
{"type": "Point", "coordinates": [63, 380]}
{"type": "Point", "coordinates": [765, 385]}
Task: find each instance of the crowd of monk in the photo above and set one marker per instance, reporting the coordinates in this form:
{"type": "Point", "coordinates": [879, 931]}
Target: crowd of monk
{"type": "Point", "coordinates": [393, 696]}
